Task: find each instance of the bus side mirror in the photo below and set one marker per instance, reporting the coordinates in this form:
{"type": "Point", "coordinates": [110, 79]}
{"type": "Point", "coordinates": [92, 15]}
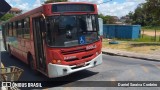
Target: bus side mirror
{"type": "Point", "coordinates": [43, 23]}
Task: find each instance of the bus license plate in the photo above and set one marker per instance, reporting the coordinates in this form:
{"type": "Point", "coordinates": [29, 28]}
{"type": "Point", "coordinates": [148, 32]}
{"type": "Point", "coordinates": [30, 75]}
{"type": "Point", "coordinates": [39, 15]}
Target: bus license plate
{"type": "Point", "coordinates": [81, 64]}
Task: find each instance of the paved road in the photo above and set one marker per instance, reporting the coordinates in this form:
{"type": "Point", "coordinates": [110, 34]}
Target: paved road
{"type": "Point", "coordinates": [114, 68]}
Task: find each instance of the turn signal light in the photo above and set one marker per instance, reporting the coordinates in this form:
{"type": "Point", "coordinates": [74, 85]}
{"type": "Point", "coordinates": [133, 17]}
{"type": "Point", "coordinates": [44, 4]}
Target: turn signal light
{"type": "Point", "coordinates": [56, 61]}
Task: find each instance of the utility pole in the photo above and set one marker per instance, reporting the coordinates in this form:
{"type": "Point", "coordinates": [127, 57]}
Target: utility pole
{"type": "Point", "coordinates": [155, 35]}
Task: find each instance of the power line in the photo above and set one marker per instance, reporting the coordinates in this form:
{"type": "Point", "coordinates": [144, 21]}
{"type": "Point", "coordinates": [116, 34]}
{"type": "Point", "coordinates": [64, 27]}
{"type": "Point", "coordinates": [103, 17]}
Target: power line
{"type": "Point", "coordinates": [104, 2]}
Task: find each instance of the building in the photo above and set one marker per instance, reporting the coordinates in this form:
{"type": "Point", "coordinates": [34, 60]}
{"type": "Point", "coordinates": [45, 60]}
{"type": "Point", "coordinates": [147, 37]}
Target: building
{"type": "Point", "coordinates": [126, 20]}
{"type": "Point", "coordinates": [116, 19]}
{"type": "Point", "coordinates": [112, 31]}
{"type": "Point", "coordinates": [15, 11]}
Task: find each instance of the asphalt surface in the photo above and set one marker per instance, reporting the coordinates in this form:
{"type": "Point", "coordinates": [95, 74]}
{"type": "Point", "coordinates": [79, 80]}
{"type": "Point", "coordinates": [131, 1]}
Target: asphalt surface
{"type": "Point", "coordinates": [114, 68]}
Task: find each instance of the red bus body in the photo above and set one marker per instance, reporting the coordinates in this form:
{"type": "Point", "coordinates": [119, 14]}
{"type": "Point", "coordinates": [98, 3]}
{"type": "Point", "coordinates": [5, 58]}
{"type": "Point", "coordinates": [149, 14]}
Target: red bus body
{"type": "Point", "coordinates": [56, 61]}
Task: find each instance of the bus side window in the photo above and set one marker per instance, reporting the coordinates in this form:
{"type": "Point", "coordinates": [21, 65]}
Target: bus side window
{"type": "Point", "coordinates": [10, 29]}
{"type": "Point", "coordinates": [26, 29]}
{"type": "Point", "coordinates": [19, 29]}
{"type": "Point", "coordinates": [22, 27]}
{"type": "Point", "coordinates": [14, 29]}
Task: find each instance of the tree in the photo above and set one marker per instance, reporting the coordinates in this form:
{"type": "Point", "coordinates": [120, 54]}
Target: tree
{"type": "Point", "coordinates": [6, 17]}
{"type": "Point", "coordinates": [107, 19]}
{"type": "Point", "coordinates": [147, 14]}
{"type": "Point", "coordinates": [51, 1]}
{"type": "Point", "coordinates": [138, 16]}
{"type": "Point", "coordinates": [153, 7]}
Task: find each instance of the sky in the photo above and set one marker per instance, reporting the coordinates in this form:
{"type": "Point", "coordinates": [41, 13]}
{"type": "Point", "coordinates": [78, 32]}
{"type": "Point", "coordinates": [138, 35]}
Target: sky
{"type": "Point", "coordinates": [114, 7]}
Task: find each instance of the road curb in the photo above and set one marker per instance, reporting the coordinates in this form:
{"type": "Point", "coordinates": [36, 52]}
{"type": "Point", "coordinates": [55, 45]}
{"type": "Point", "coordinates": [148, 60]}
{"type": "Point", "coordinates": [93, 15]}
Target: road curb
{"type": "Point", "coordinates": [142, 58]}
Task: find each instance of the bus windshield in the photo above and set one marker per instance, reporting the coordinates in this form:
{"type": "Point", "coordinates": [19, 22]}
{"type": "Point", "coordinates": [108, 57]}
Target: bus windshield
{"type": "Point", "coordinates": [65, 31]}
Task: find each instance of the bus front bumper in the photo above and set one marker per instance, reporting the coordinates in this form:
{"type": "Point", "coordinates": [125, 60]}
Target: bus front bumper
{"type": "Point", "coordinates": [55, 70]}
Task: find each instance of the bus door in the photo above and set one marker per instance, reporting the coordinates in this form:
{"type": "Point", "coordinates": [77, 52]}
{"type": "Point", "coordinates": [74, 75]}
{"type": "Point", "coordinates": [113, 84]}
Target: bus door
{"type": "Point", "coordinates": [38, 28]}
{"type": "Point", "coordinates": [4, 36]}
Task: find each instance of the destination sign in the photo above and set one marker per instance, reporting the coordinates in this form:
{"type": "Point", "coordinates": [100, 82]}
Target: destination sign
{"type": "Point", "coordinates": [73, 8]}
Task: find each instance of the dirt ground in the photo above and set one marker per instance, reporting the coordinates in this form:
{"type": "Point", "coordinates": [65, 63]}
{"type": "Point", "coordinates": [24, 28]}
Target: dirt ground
{"type": "Point", "coordinates": [151, 33]}
{"type": "Point", "coordinates": [127, 46]}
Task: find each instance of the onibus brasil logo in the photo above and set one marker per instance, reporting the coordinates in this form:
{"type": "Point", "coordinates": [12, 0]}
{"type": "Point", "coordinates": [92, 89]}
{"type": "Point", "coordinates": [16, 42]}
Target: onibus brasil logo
{"type": "Point", "coordinates": [15, 85]}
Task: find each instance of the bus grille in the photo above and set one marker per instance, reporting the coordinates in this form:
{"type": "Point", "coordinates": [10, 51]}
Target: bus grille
{"type": "Point", "coordinates": [84, 57]}
{"type": "Point", "coordinates": [70, 60]}
{"type": "Point", "coordinates": [73, 51]}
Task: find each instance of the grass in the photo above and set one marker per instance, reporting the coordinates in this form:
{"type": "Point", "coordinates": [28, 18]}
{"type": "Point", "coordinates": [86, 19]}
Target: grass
{"type": "Point", "coordinates": [144, 38]}
{"type": "Point", "coordinates": [145, 44]}
{"type": "Point", "coordinates": [133, 46]}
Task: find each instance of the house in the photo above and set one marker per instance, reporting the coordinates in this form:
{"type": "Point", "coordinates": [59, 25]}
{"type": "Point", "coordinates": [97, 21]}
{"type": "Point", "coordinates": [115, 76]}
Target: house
{"type": "Point", "coordinates": [15, 11]}
{"type": "Point", "coordinates": [125, 20]}
{"type": "Point", "coordinates": [115, 18]}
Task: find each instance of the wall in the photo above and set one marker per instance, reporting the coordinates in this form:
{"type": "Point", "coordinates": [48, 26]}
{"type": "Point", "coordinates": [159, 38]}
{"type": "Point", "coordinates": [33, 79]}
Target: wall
{"type": "Point", "coordinates": [121, 31]}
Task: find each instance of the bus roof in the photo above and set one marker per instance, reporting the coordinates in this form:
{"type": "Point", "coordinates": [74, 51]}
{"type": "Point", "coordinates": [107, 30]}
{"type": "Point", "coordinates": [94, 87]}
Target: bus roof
{"type": "Point", "coordinates": [71, 3]}
{"type": "Point", "coordinates": [40, 9]}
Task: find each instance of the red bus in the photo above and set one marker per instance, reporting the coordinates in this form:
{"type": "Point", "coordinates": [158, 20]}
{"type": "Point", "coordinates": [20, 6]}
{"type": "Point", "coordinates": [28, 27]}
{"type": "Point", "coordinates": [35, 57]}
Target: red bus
{"type": "Point", "coordinates": [56, 39]}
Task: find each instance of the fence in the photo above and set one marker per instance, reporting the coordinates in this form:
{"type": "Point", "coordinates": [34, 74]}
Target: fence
{"type": "Point", "coordinates": [152, 35]}
{"type": "Point", "coordinates": [121, 31]}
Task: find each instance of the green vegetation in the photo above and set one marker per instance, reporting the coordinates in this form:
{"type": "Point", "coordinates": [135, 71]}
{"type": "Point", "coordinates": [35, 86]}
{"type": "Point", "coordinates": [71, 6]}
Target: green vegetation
{"type": "Point", "coordinates": [134, 46]}
{"type": "Point", "coordinates": [151, 28]}
{"type": "Point", "coordinates": [6, 17]}
{"type": "Point", "coordinates": [146, 14]}
{"type": "Point", "coordinates": [147, 38]}
{"type": "Point", "coordinates": [107, 19]}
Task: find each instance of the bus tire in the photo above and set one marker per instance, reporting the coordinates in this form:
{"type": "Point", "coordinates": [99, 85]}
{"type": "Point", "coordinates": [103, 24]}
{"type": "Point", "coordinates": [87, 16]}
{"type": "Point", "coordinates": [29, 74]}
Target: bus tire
{"type": "Point", "coordinates": [9, 51]}
{"type": "Point", "coordinates": [31, 64]}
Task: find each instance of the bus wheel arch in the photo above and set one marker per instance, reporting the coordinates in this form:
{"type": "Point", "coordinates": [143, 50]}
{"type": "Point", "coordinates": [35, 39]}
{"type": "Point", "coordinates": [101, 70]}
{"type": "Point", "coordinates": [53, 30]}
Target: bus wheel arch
{"type": "Point", "coordinates": [30, 60]}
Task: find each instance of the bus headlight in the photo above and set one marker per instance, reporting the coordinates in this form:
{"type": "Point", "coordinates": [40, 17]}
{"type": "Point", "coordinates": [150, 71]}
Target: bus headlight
{"type": "Point", "coordinates": [97, 53]}
{"type": "Point", "coordinates": [58, 61]}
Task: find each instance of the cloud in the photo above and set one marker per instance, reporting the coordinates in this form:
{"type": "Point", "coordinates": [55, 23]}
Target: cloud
{"type": "Point", "coordinates": [92, 1]}
{"type": "Point", "coordinates": [14, 1]}
{"type": "Point", "coordinates": [37, 3]}
{"type": "Point", "coordinates": [114, 8]}
{"type": "Point", "coordinates": [24, 6]}
{"type": "Point", "coordinates": [17, 1]}
{"type": "Point", "coordinates": [119, 9]}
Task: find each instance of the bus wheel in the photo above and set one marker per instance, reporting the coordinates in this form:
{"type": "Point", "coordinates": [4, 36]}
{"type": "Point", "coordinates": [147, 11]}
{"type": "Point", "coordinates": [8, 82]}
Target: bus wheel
{"type": "Point", "coordinates": [9, 51]}
{"type": "Point", "coordinates": [31, 64]}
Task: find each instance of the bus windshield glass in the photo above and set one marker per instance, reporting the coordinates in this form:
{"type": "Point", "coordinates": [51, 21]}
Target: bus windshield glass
{"type": "Point", "coordinates": [66, 31]}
